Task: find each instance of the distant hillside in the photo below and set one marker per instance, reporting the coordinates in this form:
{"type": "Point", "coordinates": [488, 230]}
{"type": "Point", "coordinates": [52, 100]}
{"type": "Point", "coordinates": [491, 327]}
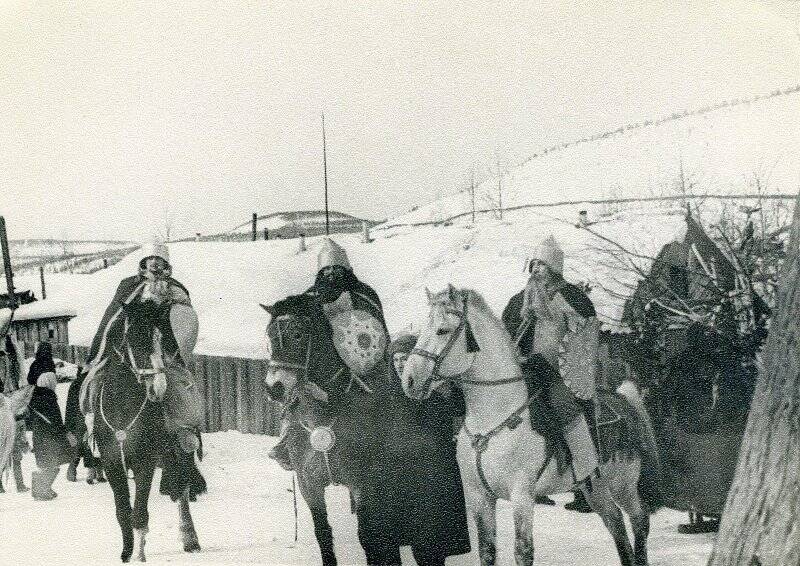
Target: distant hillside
{"type": "Point", "coordinates": [736, 147]}
{"type": "Point", "coordinates": [73, 256]}
{"type": "Point", "coordinates": [291, 225]}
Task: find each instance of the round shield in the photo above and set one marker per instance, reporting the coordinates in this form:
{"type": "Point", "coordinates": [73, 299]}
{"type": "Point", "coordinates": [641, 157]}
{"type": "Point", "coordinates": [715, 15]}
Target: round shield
{"type": "Point", "coordinates": [322, 438]}
{"type": "Point", "coordinates": [184, 323]}
{"type": "Point", "coordinates": [359, 339]}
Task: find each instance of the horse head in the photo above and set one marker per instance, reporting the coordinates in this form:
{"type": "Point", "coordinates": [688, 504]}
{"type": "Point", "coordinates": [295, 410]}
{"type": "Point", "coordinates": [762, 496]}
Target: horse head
{"type": "Point", "coordinates": [141, 345]}
{"type": "Point", "coordinates": [289, 344]}
{"type": "Point", "coordinates": [446, 347]}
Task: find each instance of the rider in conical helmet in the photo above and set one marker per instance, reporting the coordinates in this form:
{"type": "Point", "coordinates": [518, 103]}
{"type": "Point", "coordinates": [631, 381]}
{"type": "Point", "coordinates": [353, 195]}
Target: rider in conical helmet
{"type": "Point", "coordinates": [340, 293]}
{"type": "Point", "coordinates": [550, 320]}
{"type": "Point", "coordinates": [154, 283]}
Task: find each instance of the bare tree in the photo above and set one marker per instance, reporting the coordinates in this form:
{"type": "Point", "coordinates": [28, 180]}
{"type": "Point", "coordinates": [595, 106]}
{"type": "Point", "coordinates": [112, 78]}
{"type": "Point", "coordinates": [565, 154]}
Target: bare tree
{"type": "Point", "coordinates": [762, 513]}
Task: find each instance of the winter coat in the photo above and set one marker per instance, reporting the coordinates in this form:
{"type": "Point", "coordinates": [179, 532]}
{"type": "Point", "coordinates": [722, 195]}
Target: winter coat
{"type": "Point", "coordinates": [127, 289]}
{"type": "Point", "coordinates": [40, 366]}
{"type": "Point", "coordinates": [563, 312]}
{"type": "Point", "coordinates": [433, 474]}
{"type": "Point", "coordinates": [50, 443]}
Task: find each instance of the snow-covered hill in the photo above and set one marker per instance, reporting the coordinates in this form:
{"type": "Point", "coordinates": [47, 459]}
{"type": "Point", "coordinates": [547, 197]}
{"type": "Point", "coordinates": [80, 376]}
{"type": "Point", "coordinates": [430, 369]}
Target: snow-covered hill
{"type": "Point", "coordinates": [78, 256]}
{"type": "Point", "coordinates": [733, 149]}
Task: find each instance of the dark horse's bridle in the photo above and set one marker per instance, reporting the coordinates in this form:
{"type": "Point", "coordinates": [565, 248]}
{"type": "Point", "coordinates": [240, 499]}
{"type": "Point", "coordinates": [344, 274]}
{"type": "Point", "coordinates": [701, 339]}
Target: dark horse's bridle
{"type": "Point", "coordinates": [143, 375]}
{"type": "Point", "coordinates": [322, 438]}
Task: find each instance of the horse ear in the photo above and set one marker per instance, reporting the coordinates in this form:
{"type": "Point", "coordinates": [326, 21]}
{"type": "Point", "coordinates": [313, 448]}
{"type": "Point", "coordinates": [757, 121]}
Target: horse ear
{"type": "Point", "coordinates": [269, 308]}
{"type": "Point", "coordinates": [428, 294]}
{"type": "Point", "coordinates": [451, 292]}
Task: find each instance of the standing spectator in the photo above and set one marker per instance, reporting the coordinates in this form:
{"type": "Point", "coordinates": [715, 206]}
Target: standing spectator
{"type": "Point", "coordinates": [50, 443]}
{"type": "Point", "coordinates": [76, 433]}
{"type": "Point", "coordinates": [42, 363]}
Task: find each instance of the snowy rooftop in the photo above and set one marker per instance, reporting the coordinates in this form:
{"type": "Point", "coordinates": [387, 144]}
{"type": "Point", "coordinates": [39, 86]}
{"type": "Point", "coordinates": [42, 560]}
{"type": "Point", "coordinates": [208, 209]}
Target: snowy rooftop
{"type": "Point", "coordinates": [43, 309]}
{"type": "Point", "coordinates": [228, 280]}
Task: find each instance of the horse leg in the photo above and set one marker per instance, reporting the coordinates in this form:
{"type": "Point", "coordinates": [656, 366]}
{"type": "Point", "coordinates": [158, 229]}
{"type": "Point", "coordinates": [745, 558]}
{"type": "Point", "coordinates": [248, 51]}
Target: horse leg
{"type": "Point", "coordinates": [522, 500]}
{"type": "Point", "coordinates": [188, 534]}
{"type": "Point", "coordinates": [314, 496]}
{"type": "Point", "coordinates": [627, 496]}
{"type": "Point", "coordinates": [485, 516]}
{"type": "Point", "coordinates": [118, 479]}
{"type": "Point", "coordinates": [141, 516]}
{"type": "Point", "coordinates": [601, 501]}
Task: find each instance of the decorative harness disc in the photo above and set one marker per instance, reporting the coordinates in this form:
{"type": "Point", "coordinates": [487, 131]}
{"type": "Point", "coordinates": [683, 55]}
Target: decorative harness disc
{"type": "Point", "coordinates": [322, 438]}
{"type": "Point", "coordinates": [359, 339]}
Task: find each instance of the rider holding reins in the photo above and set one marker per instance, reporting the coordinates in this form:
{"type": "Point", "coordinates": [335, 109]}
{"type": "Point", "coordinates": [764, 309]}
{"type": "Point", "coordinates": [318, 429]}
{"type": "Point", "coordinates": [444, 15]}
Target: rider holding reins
{"type": "Point", "coordinates": [154, 283]}
{"type": "Point", "coordinates": [553, 324]}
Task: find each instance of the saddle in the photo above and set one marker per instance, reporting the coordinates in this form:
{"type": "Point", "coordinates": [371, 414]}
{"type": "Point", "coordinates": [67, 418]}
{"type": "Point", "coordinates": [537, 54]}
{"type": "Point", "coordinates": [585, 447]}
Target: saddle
{"type": "Point", "coordinates": [604, 415]}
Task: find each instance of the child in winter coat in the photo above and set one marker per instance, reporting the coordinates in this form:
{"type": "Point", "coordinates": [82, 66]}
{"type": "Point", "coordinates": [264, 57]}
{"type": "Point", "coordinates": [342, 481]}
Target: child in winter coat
{"type": "Point", "coordinates": [50, 444]}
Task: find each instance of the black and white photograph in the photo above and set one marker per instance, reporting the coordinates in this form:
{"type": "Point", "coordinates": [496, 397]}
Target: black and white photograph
{"type": "Point", "coordinates": [390, 283]}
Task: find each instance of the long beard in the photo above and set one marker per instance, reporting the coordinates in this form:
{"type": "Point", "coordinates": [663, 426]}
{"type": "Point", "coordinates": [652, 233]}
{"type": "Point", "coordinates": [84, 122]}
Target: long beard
{"type": "Point", "coordinates": [156, 287]}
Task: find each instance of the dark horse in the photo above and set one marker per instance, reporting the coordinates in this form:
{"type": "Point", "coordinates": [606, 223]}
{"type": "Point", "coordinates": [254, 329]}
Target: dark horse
{"type": "Point", "coordinates": [365, 438]}
{"type": "Point", "coordinates": [130, 429]}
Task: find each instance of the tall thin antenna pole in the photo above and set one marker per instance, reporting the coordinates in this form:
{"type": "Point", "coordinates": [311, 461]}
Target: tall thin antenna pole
{"type": "Point", "coordinates": [325, 168]}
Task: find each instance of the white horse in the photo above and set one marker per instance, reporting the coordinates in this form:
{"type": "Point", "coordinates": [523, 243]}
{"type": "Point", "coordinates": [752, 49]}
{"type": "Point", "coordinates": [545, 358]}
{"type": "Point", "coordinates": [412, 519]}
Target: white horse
{"type": "Point", "coordinates": [499, 453]}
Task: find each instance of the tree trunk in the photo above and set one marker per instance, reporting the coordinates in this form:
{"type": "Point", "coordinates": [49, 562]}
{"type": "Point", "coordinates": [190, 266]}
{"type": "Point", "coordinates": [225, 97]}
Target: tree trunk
{"type": "Point", "coordinates": [761, 521]}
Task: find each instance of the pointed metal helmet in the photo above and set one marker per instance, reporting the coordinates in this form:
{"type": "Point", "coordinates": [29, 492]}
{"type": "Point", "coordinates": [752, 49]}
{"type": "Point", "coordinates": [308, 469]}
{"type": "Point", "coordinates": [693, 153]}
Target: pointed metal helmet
{"type": "Point", "coordinates": [332, 254]}
{"type": "Point", "coordinates": [549, 253]}
{"type": "Point", "coordinates": [155, 249]}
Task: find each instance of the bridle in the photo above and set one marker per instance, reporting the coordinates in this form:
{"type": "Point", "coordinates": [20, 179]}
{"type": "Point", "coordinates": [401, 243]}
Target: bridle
{"type": "Point", "coordinates": [322, 438]}
{"type": "Point", "coordinates": [479, 441]}
{"type": "Point", "coordinates": [143, 376]}
{"type": "Point", "coordinates": [438, 359]}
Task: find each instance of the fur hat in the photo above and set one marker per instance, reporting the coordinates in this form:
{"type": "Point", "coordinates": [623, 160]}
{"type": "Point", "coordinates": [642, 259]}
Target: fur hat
{"type": "Point", "coordinates": [404, 342]}
{"type": "Point", "coordinates": [5, 321]}
{"type": "Point", "coordinates": [154, 249]}
{"type": "Point", "coordinates": [47, 379]}
{"type": "Point", "coordinates": [332, 254]}
{"type": "Point", "coordinates": [549, 253]}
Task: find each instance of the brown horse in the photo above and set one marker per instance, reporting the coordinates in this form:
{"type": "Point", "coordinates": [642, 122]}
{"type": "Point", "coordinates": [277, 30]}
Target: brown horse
{"type": "Point", "coordinates": [362, 440]}
{"type": "Point", "coordinates": [130, 429]}
{"type": "Point", "coordinates": [501, 455]}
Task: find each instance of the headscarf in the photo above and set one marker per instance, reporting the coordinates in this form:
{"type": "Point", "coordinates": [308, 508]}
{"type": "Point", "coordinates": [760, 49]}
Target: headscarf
{"type": "Point", "coordinates": [47, 380]}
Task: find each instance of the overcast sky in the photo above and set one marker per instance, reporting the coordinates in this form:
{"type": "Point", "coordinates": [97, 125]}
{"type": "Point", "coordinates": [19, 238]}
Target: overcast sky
{"type": "Point", "coordinates": [115, 115]}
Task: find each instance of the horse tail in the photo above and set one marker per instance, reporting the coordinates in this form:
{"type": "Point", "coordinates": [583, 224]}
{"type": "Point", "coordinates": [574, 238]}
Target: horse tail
{"type": "Point", "coordinates": [649, 484]}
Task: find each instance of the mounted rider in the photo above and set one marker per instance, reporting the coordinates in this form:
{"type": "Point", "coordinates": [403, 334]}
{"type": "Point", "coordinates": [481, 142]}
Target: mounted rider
{"type": "Point", "coordinates": [352, 309]}
{"type": "Point", "coordinates": [555, 327]}
{"type": "Point", "coordinates": [155, 286]}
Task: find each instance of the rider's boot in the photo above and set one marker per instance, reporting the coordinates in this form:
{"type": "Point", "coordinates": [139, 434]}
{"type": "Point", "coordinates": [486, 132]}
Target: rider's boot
{"type": "Point", "coordinates": [579, 504]}
{"type": "Point", "coordinates": [581, 446]}
{"type": "Point", "coordinates": [280, 452]}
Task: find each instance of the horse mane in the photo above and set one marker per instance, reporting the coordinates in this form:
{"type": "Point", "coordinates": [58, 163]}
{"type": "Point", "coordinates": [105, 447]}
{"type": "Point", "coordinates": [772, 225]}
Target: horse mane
{"type": "Point", "coordinates": [293, 305]}
{"type": "Point", "coordinates": [476, 302]}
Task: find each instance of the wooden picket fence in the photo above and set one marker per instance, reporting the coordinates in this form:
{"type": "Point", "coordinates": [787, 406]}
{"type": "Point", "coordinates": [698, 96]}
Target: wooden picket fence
{"type": "Point", "coordinates": [232, 390]}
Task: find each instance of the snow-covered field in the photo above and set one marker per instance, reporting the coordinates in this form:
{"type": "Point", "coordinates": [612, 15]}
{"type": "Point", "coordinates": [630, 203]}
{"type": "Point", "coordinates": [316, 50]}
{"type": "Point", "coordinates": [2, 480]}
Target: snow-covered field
{"type": "Point", "coordinates": [247, 518]}
{"type": "Point", "coordinates": [228, 280]}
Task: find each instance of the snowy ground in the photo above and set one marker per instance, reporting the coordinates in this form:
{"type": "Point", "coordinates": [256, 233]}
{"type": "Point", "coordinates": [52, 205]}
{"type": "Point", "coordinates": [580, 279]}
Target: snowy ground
{"type": "Point", "coordinates": [247, 518]}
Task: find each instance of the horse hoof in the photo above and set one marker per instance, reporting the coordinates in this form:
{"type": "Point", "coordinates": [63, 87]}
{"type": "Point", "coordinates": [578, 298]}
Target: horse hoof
{"type": "Point", "coordinates": [192, 547]}
{"type": "Point", "coordinates": [125, 557]}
